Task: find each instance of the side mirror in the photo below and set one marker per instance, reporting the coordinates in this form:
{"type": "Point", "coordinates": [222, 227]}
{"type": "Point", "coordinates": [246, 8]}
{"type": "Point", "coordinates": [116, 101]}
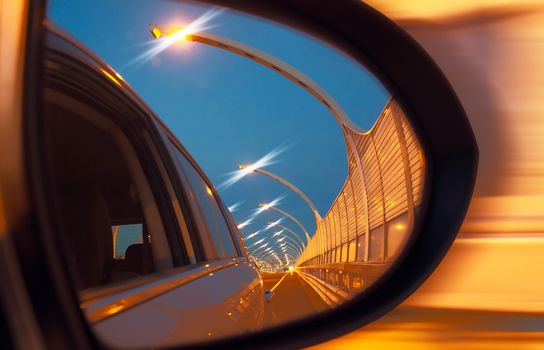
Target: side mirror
{"type": "Point", "coordinates": [180, 283]}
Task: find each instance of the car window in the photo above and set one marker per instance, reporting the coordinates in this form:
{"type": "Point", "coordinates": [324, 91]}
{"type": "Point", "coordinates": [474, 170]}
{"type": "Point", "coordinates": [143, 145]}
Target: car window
{"type": "Point", "coordinates": [123, 237]}
{"type": "Point", "coordinates": [203, 197]}
{"type": "Point", "coordinates": [111, 227]}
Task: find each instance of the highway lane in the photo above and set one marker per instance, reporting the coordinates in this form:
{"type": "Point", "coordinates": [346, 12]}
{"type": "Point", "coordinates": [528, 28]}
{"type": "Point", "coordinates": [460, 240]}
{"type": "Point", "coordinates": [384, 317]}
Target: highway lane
{"type": "Point", "coordinates": [293, 298]}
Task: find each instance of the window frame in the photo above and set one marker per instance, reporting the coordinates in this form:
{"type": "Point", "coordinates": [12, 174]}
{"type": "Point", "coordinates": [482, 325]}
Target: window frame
{"type": "Point", "coordinates": [184, 188]}
{"type": "Point", "coordinates": [107, 99]}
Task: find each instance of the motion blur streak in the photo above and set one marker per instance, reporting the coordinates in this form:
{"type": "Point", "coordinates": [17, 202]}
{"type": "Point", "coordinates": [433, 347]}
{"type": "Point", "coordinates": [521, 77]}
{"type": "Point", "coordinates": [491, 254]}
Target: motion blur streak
{"type": "Point", "coordinates": [489, 291]}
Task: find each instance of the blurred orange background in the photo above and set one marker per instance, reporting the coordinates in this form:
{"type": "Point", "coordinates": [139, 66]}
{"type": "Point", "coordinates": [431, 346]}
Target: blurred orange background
{"type": "Point", "coordinates": [488, 293]}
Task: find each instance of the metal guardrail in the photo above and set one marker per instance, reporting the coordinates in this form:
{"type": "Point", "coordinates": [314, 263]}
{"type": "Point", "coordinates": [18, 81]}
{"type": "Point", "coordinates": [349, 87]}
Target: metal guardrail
{"type": "Point", "coordinates": [373, 215]}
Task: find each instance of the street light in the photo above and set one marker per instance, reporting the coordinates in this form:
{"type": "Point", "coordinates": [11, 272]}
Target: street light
{"type": "Point", "coordinates": [290, 246]}
{"type": "Point", "coordinates": [284, 213]}
{"type": "Point", "coordinates": [266, 256]}
{"type": "Point", "coordinates": [290, 231]}
{"type": "Point", "coordinates": [195, 34]}
{"type": "Point", "coordinates": [269, 248]}
{"type": "Point", "coordinates": [266, 245]}
{"type": "Point", "coordinates": [287, 184]}
{"type": "Point", "coordinates": [284, 247]}
{"type": "Point", "coordinates": [280, 233]}
{"type": "Point", "coordinates": [296, 249]}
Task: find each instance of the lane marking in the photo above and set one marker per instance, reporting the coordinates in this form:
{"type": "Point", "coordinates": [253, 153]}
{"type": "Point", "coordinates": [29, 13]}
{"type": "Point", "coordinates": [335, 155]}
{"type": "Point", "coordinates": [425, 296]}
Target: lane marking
{"type": "Point", "coordinates": [277, 284]}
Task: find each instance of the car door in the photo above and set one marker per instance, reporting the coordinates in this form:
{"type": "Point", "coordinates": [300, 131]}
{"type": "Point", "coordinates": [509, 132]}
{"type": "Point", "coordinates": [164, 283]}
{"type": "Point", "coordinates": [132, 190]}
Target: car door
{"type": "Point", "coordinates": [232, 286]}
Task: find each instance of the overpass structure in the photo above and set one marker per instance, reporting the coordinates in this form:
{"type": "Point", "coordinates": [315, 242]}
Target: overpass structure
{"type": "Point", "coordinates": [374, 213]}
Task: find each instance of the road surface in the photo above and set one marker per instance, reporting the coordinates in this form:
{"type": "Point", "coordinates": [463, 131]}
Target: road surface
{"type": "Point", "coordinates": [293, 298]}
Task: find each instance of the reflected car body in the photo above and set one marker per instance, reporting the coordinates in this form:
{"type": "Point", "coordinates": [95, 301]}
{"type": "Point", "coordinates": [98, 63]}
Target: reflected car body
{"type": "Point", "coordinates": [207, 296]}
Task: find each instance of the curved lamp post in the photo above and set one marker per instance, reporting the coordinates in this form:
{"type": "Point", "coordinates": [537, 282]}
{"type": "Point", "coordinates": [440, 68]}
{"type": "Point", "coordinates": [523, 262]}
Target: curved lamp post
{"type": "Point", "coordinates": [268, 256]}
{"type": "Point", "coordinates": [272, 246]}
{"type": "Point", "coordinates": [291, 239]}
{"type": "Point", "coordinates": [269, 247]}
{"type": "Point", "coordinates": [284, 213]}
{"type": "Point", "coordinates": [290, 246]}
{"type": "Point", "coordinates": [290, 231]}
{"type": "Point", "coordinates": [287, 184]}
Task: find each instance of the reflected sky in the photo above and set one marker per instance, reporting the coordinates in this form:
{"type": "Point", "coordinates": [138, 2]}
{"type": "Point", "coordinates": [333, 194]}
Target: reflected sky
{"type": "Point", "coordinates": [228, 110]}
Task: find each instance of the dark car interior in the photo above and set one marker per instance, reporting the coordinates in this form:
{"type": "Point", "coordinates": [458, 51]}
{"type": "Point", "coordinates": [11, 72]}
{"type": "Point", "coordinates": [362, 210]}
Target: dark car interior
{"type": "Point", "coordinates": [96, 194]}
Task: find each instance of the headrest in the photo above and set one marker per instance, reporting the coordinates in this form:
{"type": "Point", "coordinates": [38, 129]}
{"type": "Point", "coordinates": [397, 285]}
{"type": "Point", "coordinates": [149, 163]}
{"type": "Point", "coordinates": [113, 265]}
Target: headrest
{"type": "Point", "coordinates": [134, 257]}
{"type": "Point", "coordinates": [88, 233]}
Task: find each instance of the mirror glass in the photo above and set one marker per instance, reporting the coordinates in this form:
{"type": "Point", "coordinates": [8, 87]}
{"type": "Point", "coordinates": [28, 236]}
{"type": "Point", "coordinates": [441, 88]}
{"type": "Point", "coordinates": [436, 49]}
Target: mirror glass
{"type": "Point", "coordinates": [216, 174]}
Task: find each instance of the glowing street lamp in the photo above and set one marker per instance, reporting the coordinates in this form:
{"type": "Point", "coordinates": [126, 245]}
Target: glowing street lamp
{"type": "Point", "coordinates": [195, 32]}
{"type": "Point", "coordinates": [290, 231]}
{"type": "Point", "coordinates": [284, 213]}
{"type": "Point", "coordinates": [174, 32]}
{"type": "Point", "coordinates": [267, 256]}
{"type": "Point", "coordinates": [284, 236]}
{"type": "Point", "coordinates": [286, 183]}
{"type": "Point", "coordinates": [290, 246]}
{"type": "Point", "coordinates": [252, 250]}
{"type": "Point", "coordinates": [284, 247]}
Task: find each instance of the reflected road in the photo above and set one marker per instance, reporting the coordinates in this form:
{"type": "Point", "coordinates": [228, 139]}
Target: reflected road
{"type": "Point", "coordinates": [293, 298]}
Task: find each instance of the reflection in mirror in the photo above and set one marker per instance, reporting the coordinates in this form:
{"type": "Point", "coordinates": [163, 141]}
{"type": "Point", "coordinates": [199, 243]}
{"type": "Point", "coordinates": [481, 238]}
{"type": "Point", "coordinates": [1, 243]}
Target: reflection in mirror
{"type": "Point", "coordinates": [315, 174]}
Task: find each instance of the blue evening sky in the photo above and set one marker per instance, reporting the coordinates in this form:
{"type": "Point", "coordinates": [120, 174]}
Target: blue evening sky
{"type": "Point", "coordinates": [227, 109]}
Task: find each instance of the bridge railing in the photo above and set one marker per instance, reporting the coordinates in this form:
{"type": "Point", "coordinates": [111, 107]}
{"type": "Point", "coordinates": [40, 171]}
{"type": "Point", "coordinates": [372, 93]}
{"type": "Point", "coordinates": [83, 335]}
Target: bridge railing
{"type": "Point", "coordinates": [374, 213]}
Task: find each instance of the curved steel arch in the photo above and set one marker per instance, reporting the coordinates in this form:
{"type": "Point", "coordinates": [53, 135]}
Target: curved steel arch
{"type": "Point", "coordinates": [291, 239]}
{"type": "Point", "coordinates": [282, 68]}
{"type": "Point", "coordinates": [292, 218]}
{"type": "Point", "coordinates": [293, 233]}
